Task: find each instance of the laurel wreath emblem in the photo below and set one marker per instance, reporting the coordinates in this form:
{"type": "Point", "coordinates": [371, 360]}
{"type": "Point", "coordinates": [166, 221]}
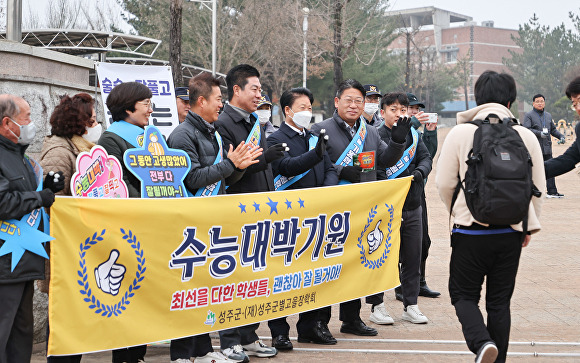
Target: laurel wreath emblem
{"type": "Point", "coordinates": [94, 303]}
{"type": "Point", "coordinates": [372, 264]}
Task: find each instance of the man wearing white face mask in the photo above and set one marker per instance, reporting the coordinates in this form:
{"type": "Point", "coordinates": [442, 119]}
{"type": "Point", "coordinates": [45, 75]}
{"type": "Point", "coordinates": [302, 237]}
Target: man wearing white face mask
{"type": "Point", "coordinates": [264, 113]}
{"type": "Point", "coordinates": [305, 165]}
{"type": "Point", "coordinates": [22, 192]}
{"type": "Point", "coordinates": [372, 99]}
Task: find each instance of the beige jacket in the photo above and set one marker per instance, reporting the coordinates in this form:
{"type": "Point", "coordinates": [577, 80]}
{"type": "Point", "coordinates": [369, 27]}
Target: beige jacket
{"type": "Point", "coordinates": [60, 154]}
{"type": "Point", "coordinates": [454, 153]}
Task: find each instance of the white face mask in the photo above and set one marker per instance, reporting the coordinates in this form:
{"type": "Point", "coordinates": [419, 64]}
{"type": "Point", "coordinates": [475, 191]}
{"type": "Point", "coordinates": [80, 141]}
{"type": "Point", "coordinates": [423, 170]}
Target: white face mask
{"type": "Point", "coordinates": [93, 134]}
{"type": "Point", "coordinates": [371, 108]}
{"type": "Point", "coordinates": [302, 119]}
{"type": "Point", "coordinates": [27, 133]}
{"type": "Point", "coordinates": [263, 116]}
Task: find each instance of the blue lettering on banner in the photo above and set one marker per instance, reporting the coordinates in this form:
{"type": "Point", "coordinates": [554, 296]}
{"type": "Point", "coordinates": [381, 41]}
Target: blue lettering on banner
{"type": "Point", "coordinates": [222, 251]}
{"type": "Point", "coordinates": [187, 263]}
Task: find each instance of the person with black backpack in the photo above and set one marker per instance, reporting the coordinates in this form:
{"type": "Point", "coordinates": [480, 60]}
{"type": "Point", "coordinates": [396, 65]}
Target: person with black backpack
{"type": "Point", "coordinates": [489, 174]}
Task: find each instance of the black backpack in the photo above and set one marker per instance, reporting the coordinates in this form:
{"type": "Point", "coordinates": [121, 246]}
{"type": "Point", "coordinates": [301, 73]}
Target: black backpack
{"type": "Point", "coordinates": [498, 183]}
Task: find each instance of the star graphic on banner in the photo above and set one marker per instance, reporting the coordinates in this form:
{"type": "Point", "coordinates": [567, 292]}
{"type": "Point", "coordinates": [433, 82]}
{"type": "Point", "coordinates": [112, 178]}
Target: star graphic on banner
{"type": "Point", "coordinates": [28, 239]}
{"type": "Point", "coordinates": [242, 208]}
{"type": "Point", "coordinates": [273, 206]}
{"type": "Point", "coordinates": [288, 204]}
{"type": "Point", "coordinates": [257, 207]}
{"type": "Point", "coordinates": [301, 202]}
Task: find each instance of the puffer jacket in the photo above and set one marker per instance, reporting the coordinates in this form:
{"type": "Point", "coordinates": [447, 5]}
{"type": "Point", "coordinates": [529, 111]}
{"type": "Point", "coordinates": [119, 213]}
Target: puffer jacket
{"type": "Point", "coordinates": [195, 138]}
{"type": "Point", "coordinates": [18, 197]}
{"type": "Point", "coordinates": [60, 154]}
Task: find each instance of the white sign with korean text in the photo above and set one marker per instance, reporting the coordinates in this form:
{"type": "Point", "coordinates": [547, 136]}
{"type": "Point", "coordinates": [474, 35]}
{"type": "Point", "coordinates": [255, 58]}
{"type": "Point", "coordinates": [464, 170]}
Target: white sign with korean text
{"type": "Point", "coordinates": [157, 78]}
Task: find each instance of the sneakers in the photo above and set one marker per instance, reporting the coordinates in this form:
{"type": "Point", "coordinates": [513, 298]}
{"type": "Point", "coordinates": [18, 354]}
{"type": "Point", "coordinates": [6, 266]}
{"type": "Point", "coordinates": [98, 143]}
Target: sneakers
{"type": "Point", "coordinates": [379, 315]}
{"type": "Point", "coordinates": [181, 360]}
{"type": "Point", "coordinates": [236, 354]}
{"type": "Point", "coordinates": [259, 349]}
{"type": "Point", "coordinates": [555, 195]}
{"type": "Point", "coordinates": [487, 353]}
{"type": "Point", "coordinates": [211, 357]}
{"type": "Point", "coordinates": [414, 315]}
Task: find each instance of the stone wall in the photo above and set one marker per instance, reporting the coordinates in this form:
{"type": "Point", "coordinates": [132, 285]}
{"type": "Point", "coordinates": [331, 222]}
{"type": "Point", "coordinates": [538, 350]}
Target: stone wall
{"type": "Point", "coordinates": [42, 77]}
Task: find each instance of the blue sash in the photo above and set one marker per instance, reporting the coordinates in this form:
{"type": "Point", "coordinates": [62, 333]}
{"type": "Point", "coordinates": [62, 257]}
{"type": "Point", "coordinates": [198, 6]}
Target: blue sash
{"type": "Point", "coordinates": [133, 134]}
{"type": "Point", "coordinates": [255, 135]}
{"type": "Point", "coordinates": [355, 146]}
{"type": "Point", "coordinates": [406, 159]}
{"type": "Point", "coordinates": [281, 182]}
{"type": "Point", "coordinates": [213, 189]}
{"type": "Point", "coordinates": [30, 239]}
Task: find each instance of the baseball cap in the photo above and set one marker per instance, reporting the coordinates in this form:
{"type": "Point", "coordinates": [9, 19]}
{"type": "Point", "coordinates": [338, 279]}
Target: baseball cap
{"type": "Point", "coordinates": [371, 90]}
{"type": "Point", "coordinates": [413, 100]}
{"type": "Point", "coordinates": [265, 100]}
{"type": "Point", "coordinates": [182, 92]}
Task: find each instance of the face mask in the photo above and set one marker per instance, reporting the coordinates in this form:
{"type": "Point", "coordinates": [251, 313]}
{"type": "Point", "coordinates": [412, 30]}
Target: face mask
{"type": "Point", "coordinates": [371, 108]}
{"type": "Point", "coordinates": [302, 119]}
{"type": "Point", "coordinates": [263, 116]}
{"type": "Point", "coordinates": [27, 133]}
{"type": "Point", "coordinates": [93, 134]}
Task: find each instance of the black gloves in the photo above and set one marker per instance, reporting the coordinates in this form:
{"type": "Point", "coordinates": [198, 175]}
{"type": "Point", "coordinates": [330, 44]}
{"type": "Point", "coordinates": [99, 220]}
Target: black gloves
{"type": "Point", "coordinates": [275, 152]}
{"type": "Point", "coordinates": [351, 173]}
{"type": "Point", "coordinates": [321, 144]}
{"type": "Point", "coordinates": [54, 181]}
{"type": "Point", "coordinates": [401, 129]}
{"type": "Point", "coordinates": [47, 197]}
{"type": "Point", "coordinates": [417, 176]}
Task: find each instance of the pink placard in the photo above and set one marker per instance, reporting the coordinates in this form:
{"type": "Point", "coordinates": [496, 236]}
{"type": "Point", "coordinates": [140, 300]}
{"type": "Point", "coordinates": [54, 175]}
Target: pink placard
{"type": "Point", "coordinates": [98, 175]}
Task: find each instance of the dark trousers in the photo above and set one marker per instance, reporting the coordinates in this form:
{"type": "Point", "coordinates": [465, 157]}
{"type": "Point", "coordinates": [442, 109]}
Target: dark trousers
{"type": "Point", "coordinates": [475, 257]}
{"type": "Point", "coordinates": [16, 322]}
{"type": "Point", "coordinates": [241, 335]}
{"type": "Point", "coordinates": [425, 239]}
{"type": "Point", "coordinates": [279, 327]}
{"type": "Point", "coordinates": [550, 183]}
{"type": "Point", "coordinates": [129, 355]}
{"type": "Point", "coordinates": [349, 311]}
{"type": "Point", "coordinates": [306, 322]}
{"type": "Point", "coordinates": [194, 346]}
{"type": "Point", "coordinates": [409, 259]}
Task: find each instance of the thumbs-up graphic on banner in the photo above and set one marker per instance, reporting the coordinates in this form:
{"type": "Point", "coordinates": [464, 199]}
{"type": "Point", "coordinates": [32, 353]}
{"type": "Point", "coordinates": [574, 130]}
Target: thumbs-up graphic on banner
{"type": "Point", "coordinates": [109, 274]}
{"type": "Point", "coordinates": [374, 238]}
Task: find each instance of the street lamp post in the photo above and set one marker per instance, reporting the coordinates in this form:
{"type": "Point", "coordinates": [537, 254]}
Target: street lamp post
{"type": "Point", "coordinates": [213, 29]}
{"type": "Point", "coordinates": [306, 11]}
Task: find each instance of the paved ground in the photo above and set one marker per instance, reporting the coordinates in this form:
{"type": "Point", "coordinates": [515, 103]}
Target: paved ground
{"type": "Point", "coordinates": [545, 306]}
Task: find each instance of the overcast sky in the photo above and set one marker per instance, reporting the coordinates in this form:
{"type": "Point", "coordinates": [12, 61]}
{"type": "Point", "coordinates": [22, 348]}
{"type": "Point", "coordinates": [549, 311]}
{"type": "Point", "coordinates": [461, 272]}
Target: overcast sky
{"type": "Point", "coordinates": [505, 13]}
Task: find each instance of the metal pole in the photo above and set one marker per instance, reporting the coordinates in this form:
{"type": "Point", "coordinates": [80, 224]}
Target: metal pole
{"type": "Point", "coordinates": [305, 30]}
{"type": "Point", "coordinates": [14, 20]}
{"type": "Point", "coordinates": [213, 36]}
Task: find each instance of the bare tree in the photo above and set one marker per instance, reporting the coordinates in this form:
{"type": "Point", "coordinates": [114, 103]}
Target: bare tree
{"type": "Point", "coordinates": [359, 28]}
{"type": "Point", "coordinates": [175, 10]}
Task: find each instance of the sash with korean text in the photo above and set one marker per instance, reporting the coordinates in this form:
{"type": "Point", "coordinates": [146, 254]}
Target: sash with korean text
{"type": "Point", "coordinates": [213, 189]}
{"type": "Point", "coordinates": [282, 182]}
{"type": "Point", "coordinates": [406, 159]}
{"type": "Point", "coordinates": [355, 146]}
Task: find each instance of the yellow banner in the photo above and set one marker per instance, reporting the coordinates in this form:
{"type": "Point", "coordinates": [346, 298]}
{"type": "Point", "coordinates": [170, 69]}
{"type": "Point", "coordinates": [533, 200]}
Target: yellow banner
{"type": "Point", "coordinates": [133, 271]}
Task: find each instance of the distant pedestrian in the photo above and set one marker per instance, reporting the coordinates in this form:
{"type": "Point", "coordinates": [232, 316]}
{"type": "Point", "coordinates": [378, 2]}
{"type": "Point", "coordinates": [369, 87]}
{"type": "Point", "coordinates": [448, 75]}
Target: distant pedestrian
{"type": "Point", "coordinates": [540, 122]}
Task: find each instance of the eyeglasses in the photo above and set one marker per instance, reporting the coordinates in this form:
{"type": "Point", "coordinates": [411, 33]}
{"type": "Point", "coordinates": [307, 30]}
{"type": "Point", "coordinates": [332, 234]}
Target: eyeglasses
{"type": "Point", "coordinates": [575, 105]}
{"type": "Point", "coordinates": [356, 101]}
{"type": "Point", "coordinates": [146, 103]}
